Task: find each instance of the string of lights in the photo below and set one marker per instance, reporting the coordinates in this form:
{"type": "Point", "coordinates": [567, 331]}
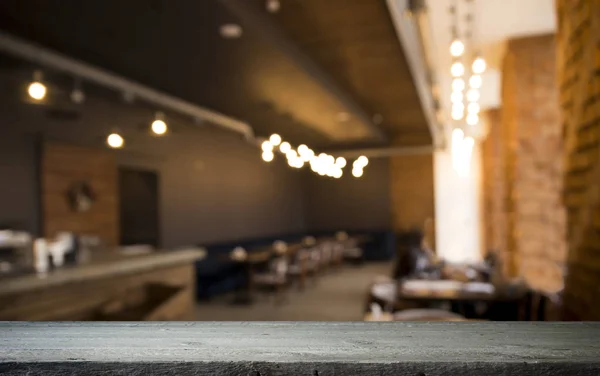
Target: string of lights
{"type": "Point", "coordinates": [322, 164]}
{"type": "Point", "coordinates": [466, 86]}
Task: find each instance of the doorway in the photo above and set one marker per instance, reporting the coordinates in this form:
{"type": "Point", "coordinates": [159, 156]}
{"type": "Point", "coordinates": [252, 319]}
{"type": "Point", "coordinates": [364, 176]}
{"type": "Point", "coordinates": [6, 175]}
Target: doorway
{"type": "Point", "coordinates": [139, 211]}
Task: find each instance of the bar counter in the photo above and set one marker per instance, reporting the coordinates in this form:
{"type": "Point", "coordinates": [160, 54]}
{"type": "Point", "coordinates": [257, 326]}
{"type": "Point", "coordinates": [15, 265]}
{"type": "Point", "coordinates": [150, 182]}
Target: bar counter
{"type": "Point", "coordinates": [110, 286]}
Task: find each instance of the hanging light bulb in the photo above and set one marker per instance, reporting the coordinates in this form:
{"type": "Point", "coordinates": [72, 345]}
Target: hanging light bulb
{"type": "Point", "coordinates": [458, 84]}
{"type": "Point", "coordinates": [302, 149]}
{"type": "Point", "coordinates": [159, 127]}
{"type": "Point", "coordinates": [291, 154]}
{"type": "Point", "coordinates": [475, 81]}
{"type": "Point", "coordinates": [340, 162]}
{"type": "Point", "coordinates": [268, 156]}
{"type": "Point", "coordinates": [458, 107]}
{"type": "Point", "coordinates": [479, 65]}
{"type": "Point", "coordinates": [473, 108]}
{"type": "Point", "coordinates": [472, 119]}
{"type": "Point", "coordinates": [36, 89]}
{"type": "Point", "coordinates": [285, 147]}
{"type": "Point", "coordinates": [457, 115]}
{"type": "Point", "coordinates": [457, 47]}
{"type": "Point", "coordinates": [457, 69]}
{"type": "Point", "coordinates": [456, 97]}
{"type": "Point", "coordinates": [473, 95]}
{"type": "Point", "coordinates": [266, 146]}
{"type": "Point", "coordinates": [115, 141]}
{"type": "Point", "coordinates": [362, 161]}
{"type": "Point", "coordinates": [357, 172]}
{"type": "Point", "coordinates": [275, 139]}
{"type": "Point", "coordinates": [330, 160]}
{"type": "Point", "coordinates": [308, 155]}
{"type": "Point", "coordinates": [338, 173]}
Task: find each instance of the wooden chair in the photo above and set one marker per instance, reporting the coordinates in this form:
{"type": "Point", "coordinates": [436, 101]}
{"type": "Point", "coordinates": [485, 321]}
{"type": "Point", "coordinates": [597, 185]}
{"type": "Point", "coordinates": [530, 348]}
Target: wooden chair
{"type": "Point", "coordinates": [302, 265]}
{"type": "Point", "coordinates": [274, 278]}
{"type": "Point", "coordinates": [540, 306]}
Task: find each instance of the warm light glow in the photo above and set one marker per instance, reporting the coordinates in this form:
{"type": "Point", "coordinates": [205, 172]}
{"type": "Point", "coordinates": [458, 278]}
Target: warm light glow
{"type": "Point", "coordinates": [473, 95]}
{"type": "Point", "coordinates": [37, 90]}
{"type": "Point", "coordinates": [472, 119]}
{"type": "Point", "coordinates": [338, 173]}
{"type": "Point", "coordinates": [268, 156]}
{"type": "Point", "coordinates": [340, 162]}
{"type": "Point", "coordinates": [291, 154]}
{"type": "Point", "coordinates": [473, 108]}
{"type": "Point", "coordinates": [457, 48]}
{"type": "Point", "coordinates": [457, 115]}
{"type": "Point", "coordinates": [115, 140]}
{"type": "Point", "coordinates": [462, 148]}
{"type": "Point", "coordinates": [357, 172]}
{"type": "Point", "coordinates": [458, 107]}
{"type": "Point", "coordinates": [308, 155]}
{"type": "Point", "coordinates": [314, 164]}
{"type": "Point", "coordinates": [302, 149]}
{"type": "Point", "coordinates": [285, 147]}
{"type": "Point", "coordinates": [457, 69]}
{"type": "Point", "coordinates": [456, 97]}
{"type": "Point", "coordinates": [362, 161]}
{"type": "Point", "coordinates": [159, 127]}
{"type": "Point", "coordinates": [266, 146]}
{"type": "Point", "coordinates": [330, 160]}
{"type": "Point", "coordinates": [275, 139]}
{"type": "Point", "coordinates": [458, 84]}
{"type": "Point", "coordinates": [479, 66]}
{"type": "Point", "coordinates": [475, 81]}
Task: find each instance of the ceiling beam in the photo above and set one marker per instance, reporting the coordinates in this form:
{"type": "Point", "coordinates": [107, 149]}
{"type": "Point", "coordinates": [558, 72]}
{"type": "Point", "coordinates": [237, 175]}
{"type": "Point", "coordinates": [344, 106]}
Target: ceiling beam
{"type": "Point", "coordinates": [44, 57]}
{"type": "Point", "coordinates": [413, 34]}
{"type": "Point", "coordinates": [263, 25]}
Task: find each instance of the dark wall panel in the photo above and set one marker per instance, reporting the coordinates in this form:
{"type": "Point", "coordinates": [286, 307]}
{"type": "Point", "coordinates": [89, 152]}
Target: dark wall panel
{"type": "Point", "coordinates": [350, 203]}
{"type": "Point", "coordinates": [18, 182]}
{"type": "Point", "coordinates": [213, 185]}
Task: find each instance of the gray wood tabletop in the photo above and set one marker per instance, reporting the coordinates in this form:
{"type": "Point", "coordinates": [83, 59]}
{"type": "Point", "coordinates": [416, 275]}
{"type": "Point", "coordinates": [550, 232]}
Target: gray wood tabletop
{"type": "Point", "coordinates": [303, 348]}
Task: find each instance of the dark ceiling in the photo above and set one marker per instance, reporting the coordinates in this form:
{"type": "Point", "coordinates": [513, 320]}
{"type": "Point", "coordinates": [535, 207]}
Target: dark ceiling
{"type": "Point", "coordinates": [329, 57]}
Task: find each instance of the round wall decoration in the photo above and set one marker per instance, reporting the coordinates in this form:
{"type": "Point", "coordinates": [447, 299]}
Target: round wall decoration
{"type": "Point", "coordinates": [81, 196]}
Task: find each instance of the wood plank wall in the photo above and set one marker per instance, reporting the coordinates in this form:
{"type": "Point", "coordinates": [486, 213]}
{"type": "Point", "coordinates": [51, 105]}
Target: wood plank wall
{"type": "Point", "coordinates": [64, 165]}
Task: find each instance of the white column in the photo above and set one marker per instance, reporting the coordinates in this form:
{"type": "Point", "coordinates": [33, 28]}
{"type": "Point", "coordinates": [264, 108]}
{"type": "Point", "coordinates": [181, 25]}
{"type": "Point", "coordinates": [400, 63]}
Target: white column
{"type": "Point", "coordinates": [457, 207]}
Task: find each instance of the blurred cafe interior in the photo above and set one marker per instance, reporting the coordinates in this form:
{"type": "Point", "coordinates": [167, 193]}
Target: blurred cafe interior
{"type": "Point", "coordinates": [290, 160]}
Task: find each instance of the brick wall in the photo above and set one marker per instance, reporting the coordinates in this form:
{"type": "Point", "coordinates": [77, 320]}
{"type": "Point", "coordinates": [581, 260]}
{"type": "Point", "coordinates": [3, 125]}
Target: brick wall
{"type": "Point", "coordinates": [412, 192]}
{"type": "Point", "coordinates": [528, 173]}
{"type": "Point", "coordinates": [494, 192]}
{"type": "Point", "coordinates": [579, 82]}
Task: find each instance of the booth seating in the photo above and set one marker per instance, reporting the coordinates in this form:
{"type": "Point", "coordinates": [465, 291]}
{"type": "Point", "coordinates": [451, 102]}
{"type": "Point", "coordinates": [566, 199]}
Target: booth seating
{"type": "Point", "coordinates": [215, 275]}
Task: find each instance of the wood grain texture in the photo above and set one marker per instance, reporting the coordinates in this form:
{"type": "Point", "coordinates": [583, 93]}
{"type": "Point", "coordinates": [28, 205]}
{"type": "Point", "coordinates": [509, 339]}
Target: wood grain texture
{"type": "Point", "coordinates": [64, 165]}
{"type": "Point", "coordinates": [356, 43]}
{"type": "Point", "coordinates": [300, 348]}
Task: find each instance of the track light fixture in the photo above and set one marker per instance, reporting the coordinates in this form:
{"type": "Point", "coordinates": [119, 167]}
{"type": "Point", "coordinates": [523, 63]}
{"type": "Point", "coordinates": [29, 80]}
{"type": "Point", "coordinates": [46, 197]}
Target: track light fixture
{"type": "Point", "coordinates": [36, 89]}
{"type": "Point", "coordinates": [159, 126]}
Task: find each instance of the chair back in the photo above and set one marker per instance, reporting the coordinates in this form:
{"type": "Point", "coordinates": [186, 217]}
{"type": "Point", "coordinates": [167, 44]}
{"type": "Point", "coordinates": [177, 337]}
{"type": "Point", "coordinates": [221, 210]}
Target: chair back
{"type": "Point", "coordinates": [280, 247]}
{"type": "Point", "coordinates": [239, 254]}
{"type": "Point", "coordinates": [279, 266]}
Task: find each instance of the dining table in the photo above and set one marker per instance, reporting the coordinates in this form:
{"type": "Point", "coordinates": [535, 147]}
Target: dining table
{"type": "Point", "coordinates": [462, 296]}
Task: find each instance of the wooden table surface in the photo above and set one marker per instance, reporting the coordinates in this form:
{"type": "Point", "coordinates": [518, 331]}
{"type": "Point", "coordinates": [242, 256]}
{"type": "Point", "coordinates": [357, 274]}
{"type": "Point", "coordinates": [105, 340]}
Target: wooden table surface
{"type": "Point", "coordinates": [452, 294]}
{"type": "Point", "coordinates": [234, 348]}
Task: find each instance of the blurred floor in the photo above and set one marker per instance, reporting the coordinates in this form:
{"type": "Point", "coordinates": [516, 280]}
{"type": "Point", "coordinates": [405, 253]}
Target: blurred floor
{"type": "Point", "coordinates": [337, 296]}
